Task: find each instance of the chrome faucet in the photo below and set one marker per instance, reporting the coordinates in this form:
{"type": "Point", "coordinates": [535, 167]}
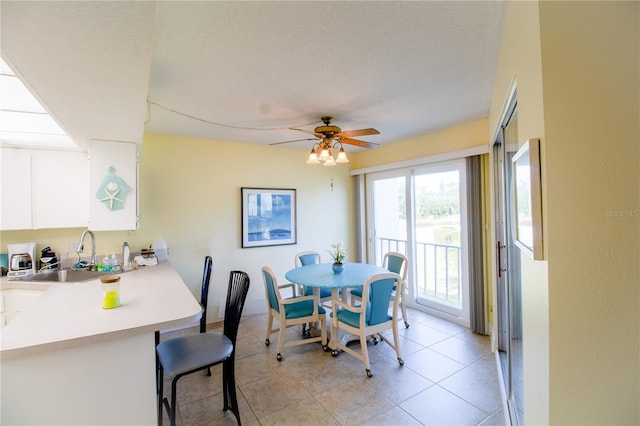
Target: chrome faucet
{"type": "Point", "coordinates": [94, 259]}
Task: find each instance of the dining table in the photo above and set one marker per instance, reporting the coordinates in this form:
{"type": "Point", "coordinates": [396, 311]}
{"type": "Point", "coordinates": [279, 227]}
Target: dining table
{"type": "Point", "coordinates": [321, 275]}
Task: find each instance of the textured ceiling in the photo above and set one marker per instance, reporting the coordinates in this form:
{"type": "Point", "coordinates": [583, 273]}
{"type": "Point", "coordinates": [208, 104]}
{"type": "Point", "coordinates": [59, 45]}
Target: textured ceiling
{"type": "Point", "coordinates": [231, 70]}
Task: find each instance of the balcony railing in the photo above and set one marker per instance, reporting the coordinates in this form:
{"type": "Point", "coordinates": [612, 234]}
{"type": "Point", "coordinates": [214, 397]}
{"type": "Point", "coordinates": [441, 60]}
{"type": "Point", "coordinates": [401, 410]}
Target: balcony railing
{"type": "Point", "coordinates": [438, 268]}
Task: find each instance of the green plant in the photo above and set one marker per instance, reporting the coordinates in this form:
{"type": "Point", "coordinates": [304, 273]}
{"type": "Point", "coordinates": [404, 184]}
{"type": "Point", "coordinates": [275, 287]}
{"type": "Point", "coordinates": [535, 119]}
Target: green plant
{"type": "Point", "coordinates": [337, 252]}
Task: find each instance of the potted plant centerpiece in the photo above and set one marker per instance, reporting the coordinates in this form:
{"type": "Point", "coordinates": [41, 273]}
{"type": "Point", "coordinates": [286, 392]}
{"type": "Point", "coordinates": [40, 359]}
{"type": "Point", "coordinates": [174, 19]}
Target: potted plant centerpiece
{"type": "Point", "coordinates": [337, 254]}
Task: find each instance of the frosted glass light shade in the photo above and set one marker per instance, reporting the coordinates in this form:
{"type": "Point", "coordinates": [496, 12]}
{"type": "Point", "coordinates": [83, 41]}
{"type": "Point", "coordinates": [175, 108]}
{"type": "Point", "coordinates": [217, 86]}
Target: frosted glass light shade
{"type": "Point", "coordinates": [342, 157]}
{"type": "Point", "coordinates": [313, 157]}
{"type": "Point", "coordinates": [329, 161]}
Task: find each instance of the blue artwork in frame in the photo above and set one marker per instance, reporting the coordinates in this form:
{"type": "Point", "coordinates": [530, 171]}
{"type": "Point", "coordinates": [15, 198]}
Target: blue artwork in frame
{"type": "Point", "coordinates": [268, 217]}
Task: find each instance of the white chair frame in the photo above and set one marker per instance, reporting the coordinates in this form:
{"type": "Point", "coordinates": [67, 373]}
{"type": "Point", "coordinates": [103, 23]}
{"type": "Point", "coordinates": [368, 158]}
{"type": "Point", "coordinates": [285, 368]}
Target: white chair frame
{"type": "Point", "coordinates": [363, 330]}
{"type": "Point", "coordinates": [284, 323]}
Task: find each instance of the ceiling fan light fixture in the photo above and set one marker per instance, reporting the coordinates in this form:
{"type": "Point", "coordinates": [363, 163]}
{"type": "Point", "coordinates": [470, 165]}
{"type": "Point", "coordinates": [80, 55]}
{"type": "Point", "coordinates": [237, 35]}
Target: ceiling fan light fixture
{"type": "Point", "coordinates": [328, 149]}
{"type": "Point", "coordinates": [313, 157]}
{"type": "Point", "coordinates": [342, 156]}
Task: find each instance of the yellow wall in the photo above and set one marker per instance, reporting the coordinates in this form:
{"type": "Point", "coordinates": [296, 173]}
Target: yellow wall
{"type": "Point", "coordinates": [190, 197]}
{"type": "Point", "coordinates": [468, 135]}
{"type": "Point", "coordinates": [576, 68]}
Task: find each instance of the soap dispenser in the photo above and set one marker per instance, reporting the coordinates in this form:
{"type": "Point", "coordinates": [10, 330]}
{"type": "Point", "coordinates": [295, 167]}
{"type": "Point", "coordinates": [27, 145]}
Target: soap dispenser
{"type": "Point", "coordinates": [106, 264]}
{"type": "Point", "coordinates": [114, 263]}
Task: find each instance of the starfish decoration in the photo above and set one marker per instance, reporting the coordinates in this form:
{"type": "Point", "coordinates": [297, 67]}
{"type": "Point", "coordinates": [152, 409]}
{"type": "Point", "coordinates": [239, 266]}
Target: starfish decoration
{"type": "Point", "coordinates": [112, 190]}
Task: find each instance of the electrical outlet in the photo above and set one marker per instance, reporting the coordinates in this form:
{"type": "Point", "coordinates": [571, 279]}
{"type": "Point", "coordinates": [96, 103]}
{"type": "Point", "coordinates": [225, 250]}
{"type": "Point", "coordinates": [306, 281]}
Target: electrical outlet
{"type": "Point", "coordinates": [73, 246]}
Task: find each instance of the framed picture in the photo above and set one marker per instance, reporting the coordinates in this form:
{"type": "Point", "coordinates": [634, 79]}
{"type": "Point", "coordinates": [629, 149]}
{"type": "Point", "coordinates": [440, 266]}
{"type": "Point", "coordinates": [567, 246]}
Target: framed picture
{"type": "Point", "coordinates": [268, 217]}
{"type": "Point", "coordinates": [528, 199]}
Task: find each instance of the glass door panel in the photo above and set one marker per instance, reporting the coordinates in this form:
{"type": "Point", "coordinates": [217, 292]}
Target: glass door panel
{"type": "Point", "coordinates": [440, 235]}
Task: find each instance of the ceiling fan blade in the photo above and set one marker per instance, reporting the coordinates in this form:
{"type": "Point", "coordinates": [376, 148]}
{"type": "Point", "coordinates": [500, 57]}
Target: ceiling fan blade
{"type": "Point", "coordinates": [295, 140]}
{"type": "Point", "coordinates": [306, 131]}
{"type": "Point", "coordinates": [357, 142]}
{"type": "Point", "coordinates": [361, 132]}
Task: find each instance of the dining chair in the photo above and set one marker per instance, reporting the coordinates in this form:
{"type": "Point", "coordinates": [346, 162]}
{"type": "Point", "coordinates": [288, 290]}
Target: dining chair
{"type": "Point", "coordinates": [311, 258]}
{"type": "Point", "coordinates": [291, 311]}
{"type": "Point", "coordinates": [184, 355]}
{"type": "Point", "coordinates": [397, 263]}
{"type": "Point", "coordinates": [371, 317]}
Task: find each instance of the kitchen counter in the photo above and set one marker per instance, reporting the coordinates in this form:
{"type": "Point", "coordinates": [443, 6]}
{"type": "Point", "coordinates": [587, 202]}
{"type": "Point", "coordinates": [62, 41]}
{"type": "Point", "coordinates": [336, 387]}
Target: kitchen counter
{"type": "Point", "coordinates": [80, 364]}
{"type": "Point", "coordinates": [67, 314]}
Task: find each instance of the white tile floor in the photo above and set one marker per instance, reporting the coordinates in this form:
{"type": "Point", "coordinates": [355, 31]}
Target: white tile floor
{"type": "Point", "coordinates": [449, 378]}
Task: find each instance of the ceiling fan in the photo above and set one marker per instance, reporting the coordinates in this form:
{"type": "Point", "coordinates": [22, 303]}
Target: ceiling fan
{"type": "Point", "coordinates": [332, 137]}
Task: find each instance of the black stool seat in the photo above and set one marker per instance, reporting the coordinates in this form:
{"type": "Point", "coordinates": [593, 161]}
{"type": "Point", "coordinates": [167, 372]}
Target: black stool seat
{"type": "Point", "coordinates": [195, 352]}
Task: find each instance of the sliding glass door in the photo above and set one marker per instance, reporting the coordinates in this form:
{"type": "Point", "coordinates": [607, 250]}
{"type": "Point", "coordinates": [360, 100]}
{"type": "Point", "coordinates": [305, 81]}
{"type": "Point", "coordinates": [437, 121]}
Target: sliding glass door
{"type": "Point", "coordinates": [421, 212]}
{"type": "Point", "coordinates": [508, 280]}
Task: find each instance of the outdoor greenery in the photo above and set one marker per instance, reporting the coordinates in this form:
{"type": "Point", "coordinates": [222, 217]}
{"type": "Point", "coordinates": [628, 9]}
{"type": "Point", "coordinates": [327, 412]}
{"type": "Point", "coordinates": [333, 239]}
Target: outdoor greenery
{"type": "Point", "coordinates": [433, 204]}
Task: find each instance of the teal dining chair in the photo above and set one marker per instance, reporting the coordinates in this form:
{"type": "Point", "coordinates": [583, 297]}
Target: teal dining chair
{"type": "Point", "coordinates": [291, 311]}
{"type": "Point", "coordinates": [371, 317]}
{"type": "Point", "coordinates": [397, 263]}
{"type": "Point", "coordinates": [311, 258]}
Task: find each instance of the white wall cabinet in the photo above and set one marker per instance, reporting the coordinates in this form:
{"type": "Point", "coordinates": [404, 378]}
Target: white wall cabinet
{"type": "Point", "coordinates": [15, 200]}
{"type": "Point", "coordinates": [44, 189]}
{"type": "Point", "coordinates": [60, 189]}
{"type": "Point", "coordinates": [113, 192]}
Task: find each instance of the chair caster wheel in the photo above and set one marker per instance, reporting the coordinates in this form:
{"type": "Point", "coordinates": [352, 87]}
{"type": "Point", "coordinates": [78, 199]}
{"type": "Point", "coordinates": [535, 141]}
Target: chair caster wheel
{"type": "Point", "coordinates": [400, 361]}
{"type": "Point", "coordinates": [267, 342]}
{"type": "Point", "coordinates": [406, 324]}
{"type": "Point", "coordinates": [279, 357]}
{"type": "Point", "coordinates": [334, 353]}
{"type": "Point", "coordinates": [369, 373]}
{"type": "Point", "coordinates": [326, 348]}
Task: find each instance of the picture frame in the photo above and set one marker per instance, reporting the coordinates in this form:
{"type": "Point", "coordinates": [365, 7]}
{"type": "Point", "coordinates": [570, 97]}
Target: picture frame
{"type": "Point", "coordinates": [527, 196]}
{"type": "Point", "coordinates": [268, 217]}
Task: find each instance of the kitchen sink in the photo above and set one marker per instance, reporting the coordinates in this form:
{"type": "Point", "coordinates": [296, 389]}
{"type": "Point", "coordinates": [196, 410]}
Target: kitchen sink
{"type": "Point", "coordinates": [69, 275]}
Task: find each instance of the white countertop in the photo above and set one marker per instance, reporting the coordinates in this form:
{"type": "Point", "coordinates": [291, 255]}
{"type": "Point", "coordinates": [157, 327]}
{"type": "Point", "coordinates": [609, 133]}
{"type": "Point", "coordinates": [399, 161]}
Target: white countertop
{"type": "Point", "coordinates": [69, 314]}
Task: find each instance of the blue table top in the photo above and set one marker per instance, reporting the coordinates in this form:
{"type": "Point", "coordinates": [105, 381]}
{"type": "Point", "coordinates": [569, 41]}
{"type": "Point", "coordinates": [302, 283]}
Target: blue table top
{"type": "Point", "coordinates": [321, 275]}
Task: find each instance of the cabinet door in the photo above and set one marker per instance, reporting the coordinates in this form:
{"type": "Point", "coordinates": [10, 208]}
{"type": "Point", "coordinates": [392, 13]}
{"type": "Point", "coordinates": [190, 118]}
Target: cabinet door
{"type": "Point", "coordinates": [113, 193]}
{"type": "Point", "coordinates": [15, 176]}
{"type": "Point", "coordinates": [60, 189]}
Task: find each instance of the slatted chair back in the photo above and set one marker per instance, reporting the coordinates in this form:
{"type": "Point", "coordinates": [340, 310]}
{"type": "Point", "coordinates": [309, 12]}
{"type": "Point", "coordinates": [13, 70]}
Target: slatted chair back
{"type": "Point", "coordinates": [204, 292]}
{"type": "Point", "coordinates": [236, 296]}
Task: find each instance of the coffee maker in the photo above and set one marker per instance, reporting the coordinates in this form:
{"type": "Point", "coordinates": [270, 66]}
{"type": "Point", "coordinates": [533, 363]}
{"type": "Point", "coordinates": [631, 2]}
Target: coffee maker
{"type": "Point", "coordinates": [21, 260]}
